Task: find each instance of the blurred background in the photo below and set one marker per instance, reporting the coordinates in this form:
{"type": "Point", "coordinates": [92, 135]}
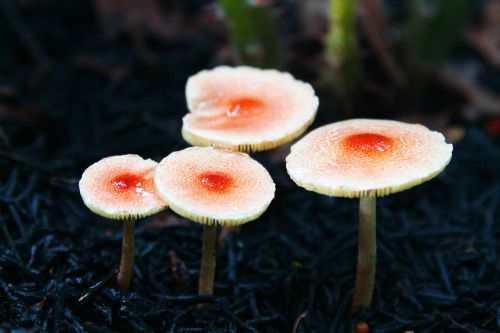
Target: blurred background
{"type": "Point", "coordinates": [429, 61]}
{"type": "Point", "coordinates": [81, 80]}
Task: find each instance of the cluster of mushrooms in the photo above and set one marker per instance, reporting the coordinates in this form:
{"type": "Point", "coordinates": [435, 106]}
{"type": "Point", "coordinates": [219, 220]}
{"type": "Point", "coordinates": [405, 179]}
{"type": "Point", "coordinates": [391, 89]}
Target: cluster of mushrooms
{"type": "Point", "coordinates": [236, 110]}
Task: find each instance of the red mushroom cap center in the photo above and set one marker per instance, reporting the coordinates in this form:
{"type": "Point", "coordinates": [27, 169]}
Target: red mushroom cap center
{"type": "Point", "coordinates": [244, 107]}
{"type": "Point", "coordinates": [128, 182]}
{"type": "Point", "coordinates": [372, 144]}
{"type": "Point", "coordinates": [215, 181]}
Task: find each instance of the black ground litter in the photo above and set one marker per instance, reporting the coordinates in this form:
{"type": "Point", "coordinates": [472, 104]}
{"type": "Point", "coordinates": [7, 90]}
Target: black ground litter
{"type": "Point", "coordinates": [438, 269]}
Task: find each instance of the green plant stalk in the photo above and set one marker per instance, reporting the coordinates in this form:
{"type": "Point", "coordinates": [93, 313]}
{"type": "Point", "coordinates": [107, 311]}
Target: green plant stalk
{"type": "Point", "coordinates": [207, 270]}
{"type": "Point", "coordinates": [253, 33]}
{"type": "Point", "coordinates": [267, 34]}
{"type": "Point", "coordinates": [128, 254]}
{"type": "Point", "coordinates": [367, 254]}
{"type": "Point", "coordinates": [433, 28]}
{"type": "Point", "coordinates": [341, 46]}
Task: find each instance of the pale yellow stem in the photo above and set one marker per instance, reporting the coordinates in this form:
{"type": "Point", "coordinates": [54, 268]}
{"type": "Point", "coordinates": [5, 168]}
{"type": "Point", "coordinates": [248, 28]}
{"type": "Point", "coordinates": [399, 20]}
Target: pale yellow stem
{"type": "Point", "coordinates": [128, 253]}
{"type": "Point", "coordinates": [367, 252]}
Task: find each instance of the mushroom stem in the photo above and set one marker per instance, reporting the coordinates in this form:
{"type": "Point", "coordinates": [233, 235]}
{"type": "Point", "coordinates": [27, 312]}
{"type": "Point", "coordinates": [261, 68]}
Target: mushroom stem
{"type": "Point", "coordinates": [127, 261]}
{"type": "Point", "coordinates": [207, 271]}
{"type": "Point", "coordinates": [367, 251]}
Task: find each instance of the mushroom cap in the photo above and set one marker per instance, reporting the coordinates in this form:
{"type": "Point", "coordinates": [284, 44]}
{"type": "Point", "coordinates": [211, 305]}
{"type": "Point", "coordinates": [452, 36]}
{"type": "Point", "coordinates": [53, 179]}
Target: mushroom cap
{"type": "Point", "coordinates": [246, 109]}
{"type": "Point", "coordinates": [210, 186]}
{"type": "Point", "coordinates": [121, 187]}
{"type": "Point", "coordinates": [366, 157]}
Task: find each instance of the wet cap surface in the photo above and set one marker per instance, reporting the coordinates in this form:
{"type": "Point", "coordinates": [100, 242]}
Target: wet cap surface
{"type": "Point", "coordinates": [365, 157]}
{"type": "Point", "coordinates": [246, 109]}
{"type": "Point", "coordinates": [121, 187]}
{"type": "Point", "coordinates": [208, 185]}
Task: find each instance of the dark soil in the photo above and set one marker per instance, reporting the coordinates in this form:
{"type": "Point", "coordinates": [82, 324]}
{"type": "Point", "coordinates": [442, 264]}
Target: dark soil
{"type": "Point", "coordinates": [69, 97]}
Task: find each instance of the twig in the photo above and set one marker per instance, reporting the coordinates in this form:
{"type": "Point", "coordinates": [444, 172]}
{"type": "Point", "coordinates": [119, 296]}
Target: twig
{"type": "Point", "coordinates": [481, 99]}
{"type": "Point", "coordinates": [8, 240]}
{"type": "Point", "coordinates": [188, 299]}
{"type": "Point", "coordinates": [298, 320]}
{"type": "Point", "coordinates": [98, 286]}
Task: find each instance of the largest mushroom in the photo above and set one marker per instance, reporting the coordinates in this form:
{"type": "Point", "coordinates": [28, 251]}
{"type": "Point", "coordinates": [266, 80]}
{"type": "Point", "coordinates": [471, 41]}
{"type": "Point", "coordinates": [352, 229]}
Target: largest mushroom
{"type": "Point", "coordinates": [367, 158]}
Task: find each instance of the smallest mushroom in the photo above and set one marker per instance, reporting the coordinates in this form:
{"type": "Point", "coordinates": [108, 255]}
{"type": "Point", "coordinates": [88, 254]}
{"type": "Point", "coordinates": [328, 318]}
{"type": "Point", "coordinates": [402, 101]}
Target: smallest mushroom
{"type": "Point", "coordinates": [121, 188]}
{"type": "Point", "coordinates": [212, 186]}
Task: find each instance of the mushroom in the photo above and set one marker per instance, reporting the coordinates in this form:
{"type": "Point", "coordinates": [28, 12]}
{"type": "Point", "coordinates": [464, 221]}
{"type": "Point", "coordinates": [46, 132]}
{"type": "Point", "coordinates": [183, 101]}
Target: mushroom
{"type": "Point", "coordinates": [246, 109]}
{"type": "Point", "coordinates": [121, 188]}
{"type": "Point", "coordinates": [212, 186]}
{"type": "Point", "coordinates": [367, 158]}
